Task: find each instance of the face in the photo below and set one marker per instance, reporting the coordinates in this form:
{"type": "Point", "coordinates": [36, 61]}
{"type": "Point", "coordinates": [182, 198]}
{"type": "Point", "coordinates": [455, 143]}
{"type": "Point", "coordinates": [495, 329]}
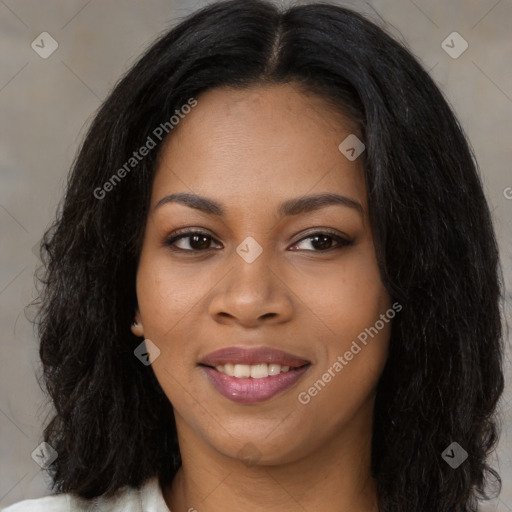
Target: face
{"type": "Point", "coordinates": [252, 261]}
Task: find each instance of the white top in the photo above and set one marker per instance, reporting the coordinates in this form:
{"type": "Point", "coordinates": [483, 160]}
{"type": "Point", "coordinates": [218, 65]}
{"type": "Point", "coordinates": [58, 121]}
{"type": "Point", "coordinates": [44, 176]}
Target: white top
{"type": "Point", "coordinates": [148, 499]}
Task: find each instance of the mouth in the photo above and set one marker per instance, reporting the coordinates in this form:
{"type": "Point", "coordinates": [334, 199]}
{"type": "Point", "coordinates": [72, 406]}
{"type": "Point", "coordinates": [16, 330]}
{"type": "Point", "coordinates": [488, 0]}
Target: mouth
{"type": "Point", "coordinates": [252, 374]}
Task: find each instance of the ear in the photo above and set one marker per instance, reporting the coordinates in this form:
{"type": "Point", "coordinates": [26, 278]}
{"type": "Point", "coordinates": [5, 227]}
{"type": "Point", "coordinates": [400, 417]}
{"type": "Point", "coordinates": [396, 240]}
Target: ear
{"type": "Point", "coordinates": [137, 327]}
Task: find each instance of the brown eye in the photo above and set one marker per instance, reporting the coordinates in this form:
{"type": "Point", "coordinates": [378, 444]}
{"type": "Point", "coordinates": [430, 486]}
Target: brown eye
{"type": "Point", "coordinates": [197, 241]}
{"type": "Point", "coordinates": [325, 241]}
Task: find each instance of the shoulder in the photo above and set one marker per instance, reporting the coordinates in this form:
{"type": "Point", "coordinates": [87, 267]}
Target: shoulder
{"type": "Point", "coordinates": [57, 503]}
{"type": "Point", "coordinates": [50, 503]}
{"type": "Point", "coordinates": [148, 498]}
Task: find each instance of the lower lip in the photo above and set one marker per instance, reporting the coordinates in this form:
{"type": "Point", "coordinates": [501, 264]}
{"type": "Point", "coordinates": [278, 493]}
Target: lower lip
{"type": "Point", "coordinates": [249, 390]}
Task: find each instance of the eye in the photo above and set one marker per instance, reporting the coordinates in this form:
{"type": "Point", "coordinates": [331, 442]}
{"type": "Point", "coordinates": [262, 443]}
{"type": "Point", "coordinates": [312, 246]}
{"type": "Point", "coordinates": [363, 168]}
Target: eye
{"type": "Point", "coordinates": [199, 241]}
{"type": "Point", "coordinates": [322, 241]}
{"type": "Point", "coordinates": [191, 241]}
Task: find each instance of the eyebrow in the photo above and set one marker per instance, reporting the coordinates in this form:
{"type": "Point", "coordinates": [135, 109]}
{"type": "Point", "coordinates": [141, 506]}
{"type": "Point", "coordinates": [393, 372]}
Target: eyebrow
{"type": "Point", "coordinates": [290, 207]}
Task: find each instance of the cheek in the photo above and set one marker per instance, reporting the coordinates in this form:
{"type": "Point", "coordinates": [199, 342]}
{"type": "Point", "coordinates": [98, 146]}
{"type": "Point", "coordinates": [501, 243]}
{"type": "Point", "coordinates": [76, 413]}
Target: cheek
{"type": "Point", "coordinates": [354, 353]}
{"type": "Point", "coordinates": [345, 306]}
{"type": "Point", "coordinates": [344, 299]}
{"type": "Point", "coordinates": [165, 295]}
{"type": "Point", "coordinates": [166, 298]}
{"type": "Point", "coordinates": [364, 332]}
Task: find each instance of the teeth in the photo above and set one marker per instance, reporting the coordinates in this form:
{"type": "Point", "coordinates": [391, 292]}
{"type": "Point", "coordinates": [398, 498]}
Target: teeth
{"type": "Point", "coordinates": [242, 370]}
{"type": "Point", "coordinates": [259, 370]}
{"type": "Point", "coordinates": [255, 371]}
{"type": "Point", "coordinates": [274, 369]}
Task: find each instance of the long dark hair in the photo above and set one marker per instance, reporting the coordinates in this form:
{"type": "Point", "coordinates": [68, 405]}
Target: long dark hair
{"type": "Point", "coordinates": [437, 253]}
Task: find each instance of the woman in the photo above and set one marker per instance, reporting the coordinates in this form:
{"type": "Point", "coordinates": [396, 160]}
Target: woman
{"type": "Point", "coordinates": [273, 282]}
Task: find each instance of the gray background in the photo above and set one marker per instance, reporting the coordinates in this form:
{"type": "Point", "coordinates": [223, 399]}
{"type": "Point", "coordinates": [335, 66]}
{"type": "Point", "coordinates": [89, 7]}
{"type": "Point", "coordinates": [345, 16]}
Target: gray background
{"type": "Point", "coordinates": [47, 103]}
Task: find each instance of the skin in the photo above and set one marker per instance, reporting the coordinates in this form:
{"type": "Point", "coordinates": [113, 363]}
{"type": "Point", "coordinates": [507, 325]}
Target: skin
{"type": "Point", "coordinates": [250, 150]}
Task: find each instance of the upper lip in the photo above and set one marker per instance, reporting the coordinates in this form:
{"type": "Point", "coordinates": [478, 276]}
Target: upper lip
{"type": "Point", "coordinates": [252, 355]}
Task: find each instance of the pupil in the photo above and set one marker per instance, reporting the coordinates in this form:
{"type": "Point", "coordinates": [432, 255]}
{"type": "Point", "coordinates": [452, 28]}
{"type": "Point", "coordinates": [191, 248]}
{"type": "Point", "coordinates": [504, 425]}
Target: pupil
{"type": "Point", "coordinates": [195, 238]}
{"type": "Point", "coordinates": [326, 242]}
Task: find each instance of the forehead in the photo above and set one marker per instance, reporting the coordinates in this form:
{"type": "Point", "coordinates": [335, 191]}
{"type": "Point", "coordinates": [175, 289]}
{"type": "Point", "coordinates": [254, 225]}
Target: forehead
{"type": "Point", "coordinates": [257, 143]}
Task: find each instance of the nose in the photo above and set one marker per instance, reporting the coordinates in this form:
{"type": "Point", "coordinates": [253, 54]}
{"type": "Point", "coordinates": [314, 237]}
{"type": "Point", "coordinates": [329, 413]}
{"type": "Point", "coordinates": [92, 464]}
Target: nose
{"type": "Point", "coordinates": [252, 294]}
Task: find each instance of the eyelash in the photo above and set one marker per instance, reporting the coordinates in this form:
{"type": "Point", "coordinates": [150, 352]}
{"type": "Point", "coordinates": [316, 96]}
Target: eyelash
{"type": "Point", "coordinates": [342, 242]}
